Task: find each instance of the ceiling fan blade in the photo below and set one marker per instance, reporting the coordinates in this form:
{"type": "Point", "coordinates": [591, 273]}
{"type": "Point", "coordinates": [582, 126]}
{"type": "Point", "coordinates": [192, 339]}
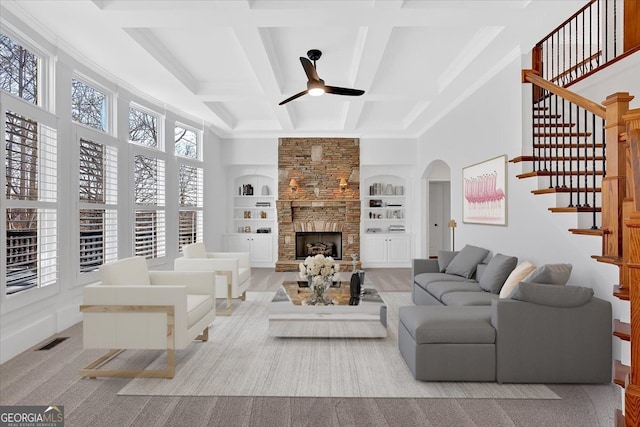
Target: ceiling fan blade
{"type": "Point", "coordinates": [343, 91]}
{"type": "Point", "coordinates": [309, 69]}
{"type": "Point", "coordinates": [297, 95]}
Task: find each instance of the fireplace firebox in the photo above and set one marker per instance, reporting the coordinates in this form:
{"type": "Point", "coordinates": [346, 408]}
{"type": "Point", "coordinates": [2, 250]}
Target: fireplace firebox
{"type": "Point", "coordinates": [311, 243]}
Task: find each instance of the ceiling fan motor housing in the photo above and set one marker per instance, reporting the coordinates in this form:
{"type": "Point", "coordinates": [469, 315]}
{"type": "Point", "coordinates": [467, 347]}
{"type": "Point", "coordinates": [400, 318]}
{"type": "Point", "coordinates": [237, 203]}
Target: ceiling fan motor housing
{"type": "Point", "coordinates": [314, 54]}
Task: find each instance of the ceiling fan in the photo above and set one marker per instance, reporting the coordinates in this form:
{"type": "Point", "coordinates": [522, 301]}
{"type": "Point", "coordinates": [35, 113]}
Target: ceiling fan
{"type": "Point", "coordinates": [315, 85]}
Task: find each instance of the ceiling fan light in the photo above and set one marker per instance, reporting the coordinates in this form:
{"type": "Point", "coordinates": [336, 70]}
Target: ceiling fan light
{"type": "Point", "coordinates": [316, 91]}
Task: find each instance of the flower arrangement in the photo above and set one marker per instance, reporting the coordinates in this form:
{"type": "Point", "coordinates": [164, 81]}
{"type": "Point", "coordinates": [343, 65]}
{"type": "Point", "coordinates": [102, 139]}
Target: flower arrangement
{"type": "Point", "coordinates": [320, 272]}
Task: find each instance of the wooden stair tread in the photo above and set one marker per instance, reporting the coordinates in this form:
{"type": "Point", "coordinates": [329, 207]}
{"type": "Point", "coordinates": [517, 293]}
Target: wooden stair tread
{"type": "Point", "coordinates": [554, 125]}
{"type": "Point", "coordinates": [574, 209]}
{"type": "Point", "coordinates": [620, 372]}
{"type": "Point", "coordinates": [555, 158]}
{"type": "Point", "coordinates": [561, 134]}
{"type": "Point", "coordinates": [558, 173]}
{"type": "Point", "coordinates": [621, 293]}
{"type": "Point", "coordinates": [565, 190]}
{"type": "Point", "coordinates": [567, 145]}
{"type": "Point", "coordinates": [598, 232]}
{"type": "Point", "coordinates": [622, 329]}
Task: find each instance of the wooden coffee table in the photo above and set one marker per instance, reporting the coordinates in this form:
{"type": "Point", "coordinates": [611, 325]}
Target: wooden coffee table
{"type": "Point", "coordinates": [289, 317]}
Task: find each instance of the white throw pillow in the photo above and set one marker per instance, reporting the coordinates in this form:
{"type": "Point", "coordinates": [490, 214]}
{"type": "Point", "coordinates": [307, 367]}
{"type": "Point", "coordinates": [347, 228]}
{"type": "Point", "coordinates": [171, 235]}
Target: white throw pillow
{"type": "Point", "coordinates": [520, 272]}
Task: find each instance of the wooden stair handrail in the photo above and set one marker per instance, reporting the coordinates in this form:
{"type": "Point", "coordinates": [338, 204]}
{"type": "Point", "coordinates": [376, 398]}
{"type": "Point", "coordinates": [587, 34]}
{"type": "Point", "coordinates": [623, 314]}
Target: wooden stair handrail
{"type": "Point", "coordinates": [595, 108]}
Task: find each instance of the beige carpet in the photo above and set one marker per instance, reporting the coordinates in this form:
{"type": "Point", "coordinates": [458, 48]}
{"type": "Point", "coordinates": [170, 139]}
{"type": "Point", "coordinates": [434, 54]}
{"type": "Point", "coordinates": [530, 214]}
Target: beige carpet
{"type": "Point", "coordinates": [242, 360]}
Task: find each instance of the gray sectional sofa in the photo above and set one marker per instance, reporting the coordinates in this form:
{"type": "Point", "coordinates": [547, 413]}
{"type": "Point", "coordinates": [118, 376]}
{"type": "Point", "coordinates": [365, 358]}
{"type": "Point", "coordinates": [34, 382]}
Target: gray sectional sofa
{"type": "Point", "coordinates": [541, 331]}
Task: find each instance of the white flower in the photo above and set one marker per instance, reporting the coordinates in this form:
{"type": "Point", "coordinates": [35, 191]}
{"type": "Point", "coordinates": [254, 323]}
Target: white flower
{"type": "Point", "coordinates": [319, 268]}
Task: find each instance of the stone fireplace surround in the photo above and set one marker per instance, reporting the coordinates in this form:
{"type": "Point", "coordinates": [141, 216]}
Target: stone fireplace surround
{"type": "Point", "coordinates": [318, 204]}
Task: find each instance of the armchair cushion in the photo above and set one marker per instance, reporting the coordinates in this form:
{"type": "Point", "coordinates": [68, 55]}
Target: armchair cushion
{"type": "Point", "coordinates": [126, 272]}
{"type": "Point", "coordinates": [553, 295]}
{"type": "Point", "coordinates": [197, 307]}
{"type": "Point", "coordinates": [194, 250]}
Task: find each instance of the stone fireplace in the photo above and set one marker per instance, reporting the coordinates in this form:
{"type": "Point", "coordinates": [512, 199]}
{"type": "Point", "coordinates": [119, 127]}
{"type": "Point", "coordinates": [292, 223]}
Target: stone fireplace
{"type": "Point", "coordinates": [318, 207]}
{"type": "Point", "coordinates": [310, 243]}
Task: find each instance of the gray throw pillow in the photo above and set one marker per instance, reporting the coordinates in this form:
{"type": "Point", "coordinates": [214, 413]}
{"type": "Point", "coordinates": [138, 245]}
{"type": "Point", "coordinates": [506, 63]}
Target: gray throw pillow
{"type": "Point", "coordinates": [497, 272]}
{"type": "Point", "coordinates": [550, 274]}
{"type": "Point", "coordinates": [553, 295]}
{"type": "Point", "coordinates": [464, 264]}
{"type": "Point", "coordinates": [444, 258]}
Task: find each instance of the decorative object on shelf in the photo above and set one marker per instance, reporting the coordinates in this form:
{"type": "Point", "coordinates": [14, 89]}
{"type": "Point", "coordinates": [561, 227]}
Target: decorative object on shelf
{"type": "Point", "coordinates": [263, 204]}
{"type": "Point", "coordinates": [319, 271]}
{"type": "Point", "coordinates": [293, 185]}
{"type": "Point", "coordinates": [389, 190]}
{"type": "Point", "coordinates": [484, 189]}
{"type": "Point", "coordinates": [264, 230]}
{"type": "Point", "coordinates": [247, 214]}
{"type": "Point", "coordinates": [247, 229]}
{"type": "Point", "coordinates": [343, 184]}
{"type": "Point", "coordinates": [263, 214]}
{"type": "Point", "coordinates": [374, 203]}
{"type": "Point", "coordinates": [396, 229]}
{"type": "Point", "coordinates": [374, 230]}
{"type": "Point", "coordinates": [247, 190]}
{"type": "Point", "coordinates": [399, 190]}
{"type": "Point", "coordinates": [265, 190]}
{"type": "Point", "coordinates": [452, 225]}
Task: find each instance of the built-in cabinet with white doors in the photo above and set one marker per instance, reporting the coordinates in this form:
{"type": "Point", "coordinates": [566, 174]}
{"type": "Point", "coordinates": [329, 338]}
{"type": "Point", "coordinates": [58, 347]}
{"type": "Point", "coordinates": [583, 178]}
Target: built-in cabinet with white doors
{"type": "Point", "coordinates": [253, 220]}
{"type": "Point", "coordinates": [385, 240]}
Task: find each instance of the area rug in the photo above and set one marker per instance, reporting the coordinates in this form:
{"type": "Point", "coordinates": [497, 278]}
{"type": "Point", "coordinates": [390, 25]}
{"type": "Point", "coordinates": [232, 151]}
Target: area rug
{"type": "Point", "coordinates": [241, 359]}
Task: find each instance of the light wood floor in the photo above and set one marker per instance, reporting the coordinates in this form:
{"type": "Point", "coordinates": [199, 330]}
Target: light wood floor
{"type": "Point", "coordinates": [51, 377]}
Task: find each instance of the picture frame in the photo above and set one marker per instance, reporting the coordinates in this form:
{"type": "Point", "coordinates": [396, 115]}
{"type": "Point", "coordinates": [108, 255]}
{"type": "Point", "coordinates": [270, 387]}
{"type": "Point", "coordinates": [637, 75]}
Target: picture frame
{"type": "Point", "coordinates": [484, 192]}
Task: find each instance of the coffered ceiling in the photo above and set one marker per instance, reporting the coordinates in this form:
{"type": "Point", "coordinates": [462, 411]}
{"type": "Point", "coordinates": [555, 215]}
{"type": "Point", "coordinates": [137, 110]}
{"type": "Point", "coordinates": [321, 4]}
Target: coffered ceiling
{"type": "Point", "coordinates": [229, 63]}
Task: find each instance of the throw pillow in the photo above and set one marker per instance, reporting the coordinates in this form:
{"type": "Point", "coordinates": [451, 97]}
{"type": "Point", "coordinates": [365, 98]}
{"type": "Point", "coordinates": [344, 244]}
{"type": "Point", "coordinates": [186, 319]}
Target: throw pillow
{"type": "Point", "coordinates": [497, 272]}
{"type": "Point", "coordinates": [550, 274]}
{"type": "Point", "coordinates": [444, 258]}
{"type": "Point", "coordinates": [517, 275]}
{"type": "Point", "coordinates": [464, 264]}
{"type": "Point", "coordinates": [553, 295]}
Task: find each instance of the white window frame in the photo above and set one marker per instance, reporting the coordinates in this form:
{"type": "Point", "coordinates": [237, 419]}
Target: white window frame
{"type": "Point", "coordinates": [108, 103]}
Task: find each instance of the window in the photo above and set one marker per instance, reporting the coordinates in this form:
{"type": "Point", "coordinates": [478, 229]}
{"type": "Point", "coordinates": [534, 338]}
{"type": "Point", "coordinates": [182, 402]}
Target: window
{"type": "Point", "coordinates": [149, 213]}
{"type": "Point", "coordinates": [186, 143]}
{"type": "Point", "coordinates": [18, 70]}
{"type": "Point", "coordinates": [98, 209]}
{"type": "Point", "coordinates": [143, 128]}
{"type": "Point", "coordinates": [31, 218]}
{"type": "Point", "coordinates": [190, 205]}
{"type": "Point", "coordinates": [88, 105]}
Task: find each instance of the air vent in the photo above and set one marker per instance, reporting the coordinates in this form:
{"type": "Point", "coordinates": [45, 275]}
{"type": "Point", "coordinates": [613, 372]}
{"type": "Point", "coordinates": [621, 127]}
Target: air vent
{"type": "Point", "coordinates": [52, 343]}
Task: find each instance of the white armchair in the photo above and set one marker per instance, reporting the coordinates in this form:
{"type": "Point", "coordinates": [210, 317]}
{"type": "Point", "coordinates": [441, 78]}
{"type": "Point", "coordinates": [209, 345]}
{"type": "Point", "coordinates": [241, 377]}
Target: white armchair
{"type": "Point", "coordinates": [134, 308]}
{"type": "Point", "coordinates": [235, 265]}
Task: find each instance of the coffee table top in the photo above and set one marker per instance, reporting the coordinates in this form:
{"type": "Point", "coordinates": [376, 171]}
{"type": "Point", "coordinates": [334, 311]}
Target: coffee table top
{"type": "Point", "coordinates": [339, 293]}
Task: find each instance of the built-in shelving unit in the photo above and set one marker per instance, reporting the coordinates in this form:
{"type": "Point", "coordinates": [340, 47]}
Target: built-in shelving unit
{"type": "Point", "coordinates": [385, 240]}
{"type": "Point", "coordinates": [253, 219]}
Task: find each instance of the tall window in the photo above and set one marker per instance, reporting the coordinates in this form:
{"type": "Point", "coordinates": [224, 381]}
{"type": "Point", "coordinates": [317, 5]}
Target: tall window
{"type": "Point", "coordinates": [98, 210]}
{"type": "Point", "coordinates": [88, 105]}
{"type": "Point", "coordinates": [18, 70]}
{"type": "Point", "coordinates": [190, 205]}
{"type": "Point", "coordinates": [143, 128]}
{"type": "Point", "coordinates": [150, 210]}
{"type": "Point", "coordinates": [186, 143]}
{"type": "Point", "coordinates": [30, 193]}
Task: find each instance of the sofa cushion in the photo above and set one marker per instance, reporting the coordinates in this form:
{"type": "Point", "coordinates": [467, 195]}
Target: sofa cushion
{"type": "Point", "coordinates": [131, 271]}
{"type": "Point", "coordinates": [457, 325]}
{"type": "Point", "coordinates": [464, 264]}
{"type": "Point", "coordinates": [444, 259]}
{"type": "Point", "coordinates": [517, 275]}
{"type": "Point", "coordinates": [243, 274]}
{"type": "Point", "coordinates": [423, 279]}
{"type": "Point", "coordinates": [550, 274]}
{"type": "Point", "coordinates": [197, 307]}
{"type": "Point", "coordinates": [497, 272]}
{"type": "Point", "coordinates": [468, 298]}
{"type": "Point", "coordinates": [438, 289]}
{"type": "Point", "coordinates": [194, 250]}
{"type": "Point", "coordinates": [553, 295]}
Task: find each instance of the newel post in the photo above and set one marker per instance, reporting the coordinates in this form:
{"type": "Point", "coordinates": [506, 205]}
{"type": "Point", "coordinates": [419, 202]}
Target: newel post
{"type": "Point", "coordinates": [614, 184]}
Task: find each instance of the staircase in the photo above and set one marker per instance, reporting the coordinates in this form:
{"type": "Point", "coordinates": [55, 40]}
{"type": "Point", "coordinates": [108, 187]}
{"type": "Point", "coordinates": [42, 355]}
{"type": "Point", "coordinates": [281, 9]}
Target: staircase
{"type": "Point", "coordinates": [567, 158]}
